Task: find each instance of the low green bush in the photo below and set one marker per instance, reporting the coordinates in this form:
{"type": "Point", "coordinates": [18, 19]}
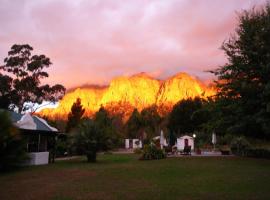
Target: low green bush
{"type": "Point", "coordinates": [137, 151]}
{"type": "Point", "coordinates": [151, 152]}
{"type": "Point", "coordinates": [258, 153]}
{"type": "Point", "coordinates": [239, 146]}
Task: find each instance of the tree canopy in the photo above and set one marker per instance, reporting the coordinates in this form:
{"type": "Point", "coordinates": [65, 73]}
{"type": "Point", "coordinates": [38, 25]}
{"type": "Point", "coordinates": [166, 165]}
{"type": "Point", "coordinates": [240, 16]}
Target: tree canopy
{"type": "Point", "coordinates": [243, 83]}
{"type": "Point", "coordinates": [20, 79]}
{"type": "Point", "coordinates": [134, 125]}
{"type": "Point", "coordinates": [181, 119]}
{"type": "Point", "coordinates": [75, 115]}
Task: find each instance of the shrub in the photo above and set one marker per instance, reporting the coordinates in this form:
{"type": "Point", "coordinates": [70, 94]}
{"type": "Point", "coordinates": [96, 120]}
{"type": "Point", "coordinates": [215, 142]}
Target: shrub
{"type": "Point", "coordinates": [239, 146]}
{"type": "Point", "coordinates": [12, 146]}
{"type": "Point", "coordinates": [137, 151]}
{"type": "Point", "coordinates": [257, 153]}
{"type": "Point", "coordinates": [151, 152]}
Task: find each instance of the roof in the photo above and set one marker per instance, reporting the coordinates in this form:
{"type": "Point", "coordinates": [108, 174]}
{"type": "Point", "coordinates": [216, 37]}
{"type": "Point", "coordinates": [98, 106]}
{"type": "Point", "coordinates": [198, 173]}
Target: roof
{"type": "Point", "coordinates": [30, 122]}
{"type": "Point", "coordinates": [186, 136]}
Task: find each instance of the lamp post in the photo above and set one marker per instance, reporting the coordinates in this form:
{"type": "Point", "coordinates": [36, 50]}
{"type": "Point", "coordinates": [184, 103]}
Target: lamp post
{"type": "Point", "coordinates": [194, 136]}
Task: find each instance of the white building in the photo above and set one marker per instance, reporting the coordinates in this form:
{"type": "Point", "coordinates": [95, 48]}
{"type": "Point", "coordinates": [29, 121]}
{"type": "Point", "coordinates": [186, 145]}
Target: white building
{"type": "Point", "coordinates": [133, 143]}
{"type": "Point", "coordinates": [185, 141]}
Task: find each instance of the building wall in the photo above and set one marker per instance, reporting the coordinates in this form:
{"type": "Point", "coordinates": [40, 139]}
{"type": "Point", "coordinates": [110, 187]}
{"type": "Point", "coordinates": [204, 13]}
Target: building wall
{"type": "Point", "coordinates": [181, 143]}
{"type": "Point", "coordinates": [38, 158]}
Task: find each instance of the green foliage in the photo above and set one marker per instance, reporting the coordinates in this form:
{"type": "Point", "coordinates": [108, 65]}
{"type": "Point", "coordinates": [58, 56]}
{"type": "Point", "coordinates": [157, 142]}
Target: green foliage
{"type": "Point", "coordinates": [61, 147]}
{"type": "Point", "coordinates": [134, 125]}
{"type": "Point", "coordinates": [12, 146]}
{"type": "Point", "coordinates": [95, 135]}
{"type": "Point", "coordinates": [239, 146]}
{"type": "Point", "coordinates": [258, 153]}
{"type": "Point", "coordinates": [186, 117]}
{"type": "Point", "coordinates": [243, 83]}
{"type": "Point", "coordinates": [105, 124]}
{"type": "Point", "coordinates": [172, 138]}
{"type": "Point", "coordinates": [21, 81]}
{"type": "Point", "coordinates": [151, 121]}
{"type": "Point", "coordinates": [89, 139]}
{"type": "Point", "coordinates": [137, 151]}
{"type": "Point", "coordinates": [151, 152]}
{"type": "Point", "coordinates": [74, 117]}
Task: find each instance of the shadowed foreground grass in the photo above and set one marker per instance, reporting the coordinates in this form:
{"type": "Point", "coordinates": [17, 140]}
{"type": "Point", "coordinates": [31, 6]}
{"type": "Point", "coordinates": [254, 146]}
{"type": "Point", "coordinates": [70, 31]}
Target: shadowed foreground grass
{"type": "Point", "coordinates": [124, 177]}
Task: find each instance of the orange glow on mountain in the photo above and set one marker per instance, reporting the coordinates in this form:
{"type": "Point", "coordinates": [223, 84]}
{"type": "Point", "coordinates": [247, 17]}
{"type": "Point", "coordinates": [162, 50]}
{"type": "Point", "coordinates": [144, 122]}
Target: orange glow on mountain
{"type": "Point", "coordinates": [126, 93]}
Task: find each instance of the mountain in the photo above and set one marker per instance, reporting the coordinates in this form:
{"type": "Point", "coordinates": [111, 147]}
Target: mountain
{"type": "Point", "coordinates": [126, 93]}
{"type": "Point", "coordinates": [181, 86]}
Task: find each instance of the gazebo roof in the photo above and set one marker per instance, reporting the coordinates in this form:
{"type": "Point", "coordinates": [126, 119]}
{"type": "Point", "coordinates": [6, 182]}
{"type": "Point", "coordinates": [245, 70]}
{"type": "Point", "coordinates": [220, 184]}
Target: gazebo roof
{"type": "Point", "coordinates": [186, 136]}
{"type": "Point", "coordinates": [30, 122]}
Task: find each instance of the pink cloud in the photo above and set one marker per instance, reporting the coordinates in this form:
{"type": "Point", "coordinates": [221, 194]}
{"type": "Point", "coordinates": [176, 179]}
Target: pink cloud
{"type": "Point", "coordinates": [93, 41]}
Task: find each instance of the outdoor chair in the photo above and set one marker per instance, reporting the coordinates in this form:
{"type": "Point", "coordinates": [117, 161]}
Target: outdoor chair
{"type": "Point", "coordinates": [187, 150]}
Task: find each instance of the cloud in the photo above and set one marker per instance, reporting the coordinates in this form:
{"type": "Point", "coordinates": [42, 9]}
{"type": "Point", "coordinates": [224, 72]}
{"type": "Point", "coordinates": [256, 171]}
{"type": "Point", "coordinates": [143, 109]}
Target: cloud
{"type": "Point", "coordinates": [93, 41]}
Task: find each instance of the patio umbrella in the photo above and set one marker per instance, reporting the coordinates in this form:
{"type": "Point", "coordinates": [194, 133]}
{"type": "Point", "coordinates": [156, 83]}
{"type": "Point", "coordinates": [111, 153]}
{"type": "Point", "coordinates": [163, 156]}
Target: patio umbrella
{"type": "Point", "coordinates": [161, 139]}
{"type": "Point", "coordinates": [214, 139]}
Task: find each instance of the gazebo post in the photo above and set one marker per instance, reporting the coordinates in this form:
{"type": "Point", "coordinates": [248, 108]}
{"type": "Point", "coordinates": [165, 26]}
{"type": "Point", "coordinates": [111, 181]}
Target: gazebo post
{"type": "Point", "coordinates": [38, 141]}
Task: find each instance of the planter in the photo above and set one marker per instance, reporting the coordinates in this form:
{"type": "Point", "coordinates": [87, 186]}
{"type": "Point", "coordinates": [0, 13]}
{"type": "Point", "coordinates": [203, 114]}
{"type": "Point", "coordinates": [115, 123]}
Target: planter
{"type": "Point", "coordinates": [199, 151]}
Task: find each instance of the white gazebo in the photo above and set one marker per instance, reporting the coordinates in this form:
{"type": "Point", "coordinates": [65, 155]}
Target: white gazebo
{"type": "Point", "coordinates": [185, 141]}
{"type": "Point", "coordinates": [40, 137]}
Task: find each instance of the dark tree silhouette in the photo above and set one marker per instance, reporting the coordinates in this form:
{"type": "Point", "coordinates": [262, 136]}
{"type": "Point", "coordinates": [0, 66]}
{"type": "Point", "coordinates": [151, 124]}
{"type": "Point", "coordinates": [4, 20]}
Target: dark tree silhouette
{"type": "Point", "coordinates": [20, 79]}
{"type": "Point", "coordinates": [134, 125]}
{"type": "Point", "coordinates": [243, 83]}
{"type": "Point", "coordinates": [181, 118]}
{"type": "Point", "coordinates": [12, 146]}
{"type": "Point", "coordinates": [75, 115]}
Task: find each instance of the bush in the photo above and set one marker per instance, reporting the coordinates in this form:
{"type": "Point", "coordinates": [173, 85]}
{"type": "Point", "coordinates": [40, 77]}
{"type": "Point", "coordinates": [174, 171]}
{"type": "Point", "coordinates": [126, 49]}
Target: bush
{"type": "Point", "coordinates": [12, 146]}
{"type": "Point", "coordinates": [239, 146]}
{"type": "Point", "coordinates": [151, 152]}
{"type": "Point", "coordinates": [137, 151]}
{"type": "Point", "coordinates": [257, 153]}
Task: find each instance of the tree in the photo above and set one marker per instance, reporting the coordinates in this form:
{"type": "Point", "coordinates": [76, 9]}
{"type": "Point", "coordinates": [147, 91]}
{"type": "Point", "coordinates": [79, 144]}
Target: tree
{"type": "Point", "coordinates": [134, 125]}
{"type": "Point", "coordinates": [75, 115]}
{"type": "Point", "coordinates": [20, 79]}
{"type": "Point", "coordinates": [243, 83]}
{"type": "Point", "coordinates": [104, 123]}
{"type": "Point", "coordinates": [89, 139]}
{"type": "Point", "coordinates": [12, 146]}
{"type": "Point", "coordinates": [96, 135]}
{"type": "Point", "coordinates": [151, 121]}
{"type": "Point", "coordinates": [181, 119]}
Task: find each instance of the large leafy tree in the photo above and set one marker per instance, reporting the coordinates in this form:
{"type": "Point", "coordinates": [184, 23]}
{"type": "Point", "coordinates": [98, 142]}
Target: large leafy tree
{"type": "Point", "coordinates": [243, 83]}
{"type": "Point", "coordinates": [20, 79]}
{"type": "Point", "coordinates": [184, 117]}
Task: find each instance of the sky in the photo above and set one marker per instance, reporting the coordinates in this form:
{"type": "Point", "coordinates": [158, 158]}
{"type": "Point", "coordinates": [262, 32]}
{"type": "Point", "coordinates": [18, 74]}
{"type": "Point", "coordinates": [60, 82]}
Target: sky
{"type": "Point", "coordinates": [92, 41]}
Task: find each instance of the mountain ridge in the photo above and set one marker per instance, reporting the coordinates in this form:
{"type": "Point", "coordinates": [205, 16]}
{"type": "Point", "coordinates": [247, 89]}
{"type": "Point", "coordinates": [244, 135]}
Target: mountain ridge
{"type": "Point", "coordinates": [129, 92]}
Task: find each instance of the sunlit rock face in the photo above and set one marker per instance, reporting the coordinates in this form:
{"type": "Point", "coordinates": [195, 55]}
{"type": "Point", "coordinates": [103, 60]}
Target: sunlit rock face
{"type": "Point", "coordinates": [126, 93]}
{"type": "Point", "coordinates": [139, 91]}
{"type": "Point", "coordinates": [181, 86]}
{"type": "Point", "coordinates": [90, 100]}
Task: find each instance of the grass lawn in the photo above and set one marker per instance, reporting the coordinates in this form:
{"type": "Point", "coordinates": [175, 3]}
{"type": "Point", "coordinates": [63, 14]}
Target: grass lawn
{"type": "Point", "coordinates": [125, 177]}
